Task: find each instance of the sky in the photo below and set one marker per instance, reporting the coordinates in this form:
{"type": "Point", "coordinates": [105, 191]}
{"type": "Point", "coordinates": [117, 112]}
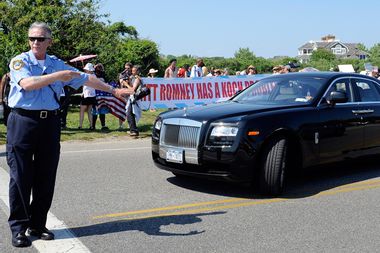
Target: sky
{"type": "Point", "coordinates": [207, 28]}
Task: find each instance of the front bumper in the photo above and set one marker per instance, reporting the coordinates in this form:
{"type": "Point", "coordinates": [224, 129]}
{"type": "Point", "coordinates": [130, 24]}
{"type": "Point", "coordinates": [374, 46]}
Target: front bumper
{"type": "Point", "coordinates": [212, 163]}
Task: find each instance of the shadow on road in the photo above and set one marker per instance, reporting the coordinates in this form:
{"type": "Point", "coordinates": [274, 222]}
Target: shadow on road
{"type": "Point", "coordinates": [321, 179]}
{"type": "Point", "coordinates": [150, 226]}
{"type": "Point", "coordinates": [301, 184]}
{"type": "Point", "coordinates": [227, 189]}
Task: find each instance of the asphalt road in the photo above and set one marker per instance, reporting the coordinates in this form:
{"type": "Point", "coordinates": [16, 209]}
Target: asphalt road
{"type": "Point", "coordinates": [111, 198]}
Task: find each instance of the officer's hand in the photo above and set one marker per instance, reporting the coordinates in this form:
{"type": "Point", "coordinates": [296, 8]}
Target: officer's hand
{"type": "Point", "coordinates": [123, 92]}
{"type": "Point", "coordinates": [67, 75]}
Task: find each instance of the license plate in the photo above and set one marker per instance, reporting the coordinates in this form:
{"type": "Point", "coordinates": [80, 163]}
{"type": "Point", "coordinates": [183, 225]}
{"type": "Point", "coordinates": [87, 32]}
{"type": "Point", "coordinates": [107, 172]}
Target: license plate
{"type": "Point", "coordinates": [174, 155]}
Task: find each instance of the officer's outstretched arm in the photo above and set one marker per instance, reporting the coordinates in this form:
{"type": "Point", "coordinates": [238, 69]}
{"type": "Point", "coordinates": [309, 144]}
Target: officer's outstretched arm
{"type": "Point", "coordinates": [37, 82]}
{"type": "Point", "coordinates": [100, 85]}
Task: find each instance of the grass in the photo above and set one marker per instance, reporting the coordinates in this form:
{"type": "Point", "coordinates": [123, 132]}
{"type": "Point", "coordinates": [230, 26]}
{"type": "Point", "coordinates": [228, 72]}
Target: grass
{"type": "Point", "coordinates": [73, 133]}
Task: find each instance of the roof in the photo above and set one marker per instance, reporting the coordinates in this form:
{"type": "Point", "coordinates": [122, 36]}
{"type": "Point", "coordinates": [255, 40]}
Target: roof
{"type": "Point", "coordinates": [352, 47]}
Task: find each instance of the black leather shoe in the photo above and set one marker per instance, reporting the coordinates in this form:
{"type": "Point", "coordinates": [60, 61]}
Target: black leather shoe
{"type": "Point", "coordinates": [20, 240]}
{"type": "Point", "coordinates": [43, 233]}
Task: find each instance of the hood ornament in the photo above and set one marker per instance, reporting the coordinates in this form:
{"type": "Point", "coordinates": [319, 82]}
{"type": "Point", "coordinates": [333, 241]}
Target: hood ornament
{"type": "Point", "coordinates": [184, 111]}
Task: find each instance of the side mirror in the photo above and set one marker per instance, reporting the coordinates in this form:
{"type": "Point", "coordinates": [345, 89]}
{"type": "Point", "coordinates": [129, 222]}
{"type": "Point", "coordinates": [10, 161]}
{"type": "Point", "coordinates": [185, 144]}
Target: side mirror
{"type": "Point", "coordinates": [337, 97]}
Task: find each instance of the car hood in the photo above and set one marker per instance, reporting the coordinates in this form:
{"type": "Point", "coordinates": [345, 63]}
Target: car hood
{"type": "Point", "coordinates": [221, 110]}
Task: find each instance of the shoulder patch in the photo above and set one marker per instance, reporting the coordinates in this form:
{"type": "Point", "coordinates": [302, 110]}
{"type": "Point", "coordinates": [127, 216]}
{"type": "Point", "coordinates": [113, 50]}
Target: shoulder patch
{"type": "Point", "coordinates": [17, 64]}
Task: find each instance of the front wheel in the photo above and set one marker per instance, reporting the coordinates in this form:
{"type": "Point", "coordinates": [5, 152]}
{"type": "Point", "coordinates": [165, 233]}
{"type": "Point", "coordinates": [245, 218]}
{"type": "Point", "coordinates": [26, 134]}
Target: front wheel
{"type": "Point", "coordinates": [273, 166]}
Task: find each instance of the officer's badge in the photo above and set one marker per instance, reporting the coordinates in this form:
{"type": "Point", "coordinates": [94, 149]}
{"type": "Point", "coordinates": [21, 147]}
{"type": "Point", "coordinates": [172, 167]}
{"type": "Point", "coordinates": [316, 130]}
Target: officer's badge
{"type": "Point", "coordinates": [17, 64]}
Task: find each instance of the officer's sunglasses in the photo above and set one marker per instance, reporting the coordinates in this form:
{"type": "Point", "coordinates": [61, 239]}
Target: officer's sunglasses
{"type": "Point", "coordinates": [39, 39]}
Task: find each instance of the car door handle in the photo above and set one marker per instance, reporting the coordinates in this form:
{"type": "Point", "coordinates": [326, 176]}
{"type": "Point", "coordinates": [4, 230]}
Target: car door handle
{"type": "Point", "coordinates": [362, 111]}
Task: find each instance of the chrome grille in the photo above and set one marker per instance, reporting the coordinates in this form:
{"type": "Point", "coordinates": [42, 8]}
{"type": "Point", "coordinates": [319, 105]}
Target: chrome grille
{"type": "Point", "coordinates": [187, 137]}
{"type": "Point", "coordinates": [181, 134]}
{"type": "Point", "coordinates": [171, 135]}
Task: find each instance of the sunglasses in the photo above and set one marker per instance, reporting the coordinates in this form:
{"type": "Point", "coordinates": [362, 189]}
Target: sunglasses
{"type": "Point", "coordinates": [39, 39]}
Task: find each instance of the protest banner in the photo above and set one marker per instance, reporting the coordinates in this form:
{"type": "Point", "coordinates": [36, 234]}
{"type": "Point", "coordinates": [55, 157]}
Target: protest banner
{"type": "Point", "coordinates": [184, 92]}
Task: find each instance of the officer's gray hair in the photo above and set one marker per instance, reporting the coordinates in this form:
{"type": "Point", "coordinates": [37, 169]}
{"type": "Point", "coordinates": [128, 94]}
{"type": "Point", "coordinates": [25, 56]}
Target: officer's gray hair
{"type": "Point", "coordinates": [41, 25]}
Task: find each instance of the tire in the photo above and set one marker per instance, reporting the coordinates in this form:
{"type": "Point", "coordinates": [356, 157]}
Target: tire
{"type": "Point", "coordinates": [273, 167]}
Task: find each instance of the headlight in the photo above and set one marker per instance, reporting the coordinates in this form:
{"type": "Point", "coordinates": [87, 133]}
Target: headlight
{"type": "Point", "coordinates": [218, 131]}
{"type": "Point", "coordinates": [158, 124]}
{"type": "Point", "coordinates": [222, 135]}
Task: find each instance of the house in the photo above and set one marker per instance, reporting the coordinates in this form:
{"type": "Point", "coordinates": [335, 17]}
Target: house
{"type": "Point", "coordinates": [338, 48]}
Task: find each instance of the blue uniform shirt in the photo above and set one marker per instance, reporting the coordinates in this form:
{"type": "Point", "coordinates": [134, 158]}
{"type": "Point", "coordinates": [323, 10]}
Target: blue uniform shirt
{"type": "Point", "coordinates": [26, 65]}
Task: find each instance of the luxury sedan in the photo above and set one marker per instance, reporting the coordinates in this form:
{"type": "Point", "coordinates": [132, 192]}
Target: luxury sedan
{"type": "Point", "coordinates": [280, 123]}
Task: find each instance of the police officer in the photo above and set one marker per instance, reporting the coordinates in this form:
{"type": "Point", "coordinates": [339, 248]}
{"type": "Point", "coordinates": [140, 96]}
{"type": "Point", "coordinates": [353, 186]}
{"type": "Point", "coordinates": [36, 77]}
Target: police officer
{"type": "Point", "coordinates": [33, 132]}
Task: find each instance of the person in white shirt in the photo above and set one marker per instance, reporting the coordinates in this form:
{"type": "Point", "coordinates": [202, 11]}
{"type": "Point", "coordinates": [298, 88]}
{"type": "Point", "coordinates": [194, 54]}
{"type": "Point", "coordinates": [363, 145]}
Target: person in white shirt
{"type": "Point", "coordinates": [196, 70]}
{"type": "Point", "coordinates": [88, 98]}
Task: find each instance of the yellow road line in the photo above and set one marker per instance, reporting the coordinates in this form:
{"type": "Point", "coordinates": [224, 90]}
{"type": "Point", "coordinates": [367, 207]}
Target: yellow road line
{"type": "Point", "coordinates": [244, 204]}
{"type": "Point", "coordinates": [209, 209]}
{"type": "Point", "coordinates": [343, 190]}
{"type": "Point", "coordinates": [353, 187]}
{"type": "Point", "coordinates": [215, 202]}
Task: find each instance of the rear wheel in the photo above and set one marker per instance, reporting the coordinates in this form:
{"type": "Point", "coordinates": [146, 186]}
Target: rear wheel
{"type": "Point", "coordinates": [273, 166]}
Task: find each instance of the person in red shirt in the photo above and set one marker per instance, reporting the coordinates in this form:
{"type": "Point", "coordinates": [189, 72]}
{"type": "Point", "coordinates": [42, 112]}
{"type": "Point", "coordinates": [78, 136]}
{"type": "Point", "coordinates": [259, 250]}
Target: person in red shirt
{"type": "Point", "coordinates": [184, 71]}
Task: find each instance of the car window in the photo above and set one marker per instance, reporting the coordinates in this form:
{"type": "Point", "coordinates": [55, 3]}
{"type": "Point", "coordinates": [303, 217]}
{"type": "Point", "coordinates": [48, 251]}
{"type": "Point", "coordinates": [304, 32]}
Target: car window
{"type": "Point", "coordinates": [284, 91]}
{"type": "Point", "coordinates": [342, 85]}
{"type": "Point", "coordinates": [368, 90]}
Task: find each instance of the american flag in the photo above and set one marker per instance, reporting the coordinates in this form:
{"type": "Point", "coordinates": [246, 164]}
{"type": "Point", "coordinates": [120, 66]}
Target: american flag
{"type": "Point", "coordinates": [115, 105]}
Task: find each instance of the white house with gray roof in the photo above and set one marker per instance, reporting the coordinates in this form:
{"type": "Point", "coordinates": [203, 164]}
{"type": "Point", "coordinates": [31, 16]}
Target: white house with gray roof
{"type": "Point", "coordinates": [338, 48]}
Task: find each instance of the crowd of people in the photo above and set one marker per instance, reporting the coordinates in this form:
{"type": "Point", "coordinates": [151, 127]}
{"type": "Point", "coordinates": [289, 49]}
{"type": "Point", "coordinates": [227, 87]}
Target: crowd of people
{"type": "Point", "coordinates": [130, 77]}
{"type": "Point", "coordinates": [374, 72]}
{"type": "Point", "coordinates": [200, 70]}
{"type": "Point", "coordinates": [90, 108]}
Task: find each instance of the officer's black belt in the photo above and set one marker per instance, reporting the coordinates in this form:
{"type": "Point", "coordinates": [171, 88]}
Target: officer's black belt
{"type": "Point", "coordinates": [40, 114]}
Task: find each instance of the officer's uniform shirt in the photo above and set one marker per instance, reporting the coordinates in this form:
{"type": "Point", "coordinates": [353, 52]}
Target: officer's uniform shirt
{"type": "Point", "coordinates": [26, 65]}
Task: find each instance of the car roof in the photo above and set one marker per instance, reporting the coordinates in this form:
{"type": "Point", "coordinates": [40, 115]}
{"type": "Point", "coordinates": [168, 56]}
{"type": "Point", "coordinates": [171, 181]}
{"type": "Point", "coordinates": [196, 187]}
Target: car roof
{"type": "Point", "coordinates": [322, 74]}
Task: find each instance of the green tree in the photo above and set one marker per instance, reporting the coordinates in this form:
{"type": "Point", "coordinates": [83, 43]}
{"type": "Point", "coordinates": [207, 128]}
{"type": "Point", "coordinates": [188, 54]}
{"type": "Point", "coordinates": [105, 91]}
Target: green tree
{"type": "Point", "coordinates": [362, 47]}
{"type": "Point", "coordinates": [141, 52]}
{"type": "Point", "coordinates": [356, 63]}
{"type": "Point", "coordinates": [245, 57]}
{"type": "Point", "coordinates": [283, 60]}
{"type": "Point", "coordinates": [374, 54]}
{"type": "Point", "coordinates": [322, 54]}
{"type": "Point", "coordinates": [322, 64]}
{"type": "Point", "coordinates": [244, 54]}
{"type": "Point", "coordinates": [77, 29]}
{"type": "Point", "coordinates": [181, 60]}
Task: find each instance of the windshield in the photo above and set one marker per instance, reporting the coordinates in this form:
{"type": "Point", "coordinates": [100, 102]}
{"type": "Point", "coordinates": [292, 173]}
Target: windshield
{"type": "Point", "coordinates": [282, 90]}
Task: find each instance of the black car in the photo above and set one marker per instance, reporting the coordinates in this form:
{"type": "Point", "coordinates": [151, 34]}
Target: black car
{"type": "Point", "coordinates": [282, 122]}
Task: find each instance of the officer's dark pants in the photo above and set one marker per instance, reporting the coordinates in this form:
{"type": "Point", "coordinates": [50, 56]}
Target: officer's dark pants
{"type": "Point", "coordinates": [64, 109]}
{"type": "Point", "coordinates": [33, 147]}
{"type": "Point", "coordinates": [131, 118]}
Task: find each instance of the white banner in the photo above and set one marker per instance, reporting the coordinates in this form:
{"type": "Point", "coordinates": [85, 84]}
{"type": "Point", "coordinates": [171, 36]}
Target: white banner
{"type": "Point", "coordinates": [184, 92]}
